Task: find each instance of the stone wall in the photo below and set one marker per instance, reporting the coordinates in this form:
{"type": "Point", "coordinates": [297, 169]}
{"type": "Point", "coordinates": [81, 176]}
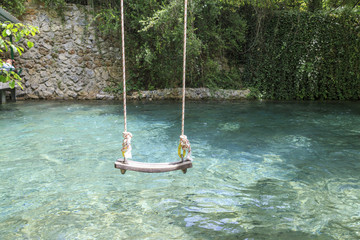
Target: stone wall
{"type": "Point", "coordinates": [191, 93]}
{"type": "Point", "coordinates": [69, 62]}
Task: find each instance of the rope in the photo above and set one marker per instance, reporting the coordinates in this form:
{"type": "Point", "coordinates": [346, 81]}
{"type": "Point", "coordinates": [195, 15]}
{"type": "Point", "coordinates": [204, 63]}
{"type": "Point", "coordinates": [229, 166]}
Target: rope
{"type": "Point", "coordinates": [123, 62]}
{"type": "Point", "coordinates": [185, 146]}
{"type": "Point", "coordinates": [126, 150]}
{"type": "Point", "coordinates": [184, 69]}
{"type": "Point", "coordinates": [184, 142]}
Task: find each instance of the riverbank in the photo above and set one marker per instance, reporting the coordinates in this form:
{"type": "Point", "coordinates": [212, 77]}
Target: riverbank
{"type": "Point", "coordinates": [160, 94]}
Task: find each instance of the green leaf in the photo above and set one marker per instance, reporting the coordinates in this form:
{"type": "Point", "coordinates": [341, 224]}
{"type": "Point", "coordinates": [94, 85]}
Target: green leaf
{"type": "Point", "coordinates": [2, 78]}
{"type": "Point", "coordinates": [18, 50]}
{"type": "Point", "coordinates": [18, 37]}
{"type": "Point", "coordinates": [30, 44]}
{"type": "Point", "coordinates": [4, 34]}
{"type": "Point", "coordinates": [15, 75]}
{"type": "Point", "coordinates": [19, 83]}
{"type": "Point", "coordinates": [12, 84]}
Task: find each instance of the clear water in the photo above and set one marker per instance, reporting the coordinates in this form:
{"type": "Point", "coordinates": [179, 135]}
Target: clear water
{"type": "Point", "coordinates": [262, 170]}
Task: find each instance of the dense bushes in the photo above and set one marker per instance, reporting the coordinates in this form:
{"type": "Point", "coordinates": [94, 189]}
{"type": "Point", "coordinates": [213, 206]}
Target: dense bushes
{"type": "Point", "coordinates": [154, 41]}
{"type": "Point", "coordinates": [283, 54]}
{"type": "Point", "coordinates": [300, 55]}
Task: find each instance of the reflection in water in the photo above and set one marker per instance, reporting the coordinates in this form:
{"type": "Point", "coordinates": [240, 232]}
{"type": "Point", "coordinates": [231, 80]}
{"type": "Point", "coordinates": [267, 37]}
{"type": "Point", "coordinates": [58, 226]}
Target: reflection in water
{"type": "Point", "coordinates": [262, 170]}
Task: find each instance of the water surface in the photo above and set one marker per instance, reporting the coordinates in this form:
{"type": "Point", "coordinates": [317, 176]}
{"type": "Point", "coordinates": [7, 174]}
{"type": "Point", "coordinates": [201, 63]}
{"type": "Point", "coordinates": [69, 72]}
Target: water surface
{"type": "Point", "coordinates": [262, 170]}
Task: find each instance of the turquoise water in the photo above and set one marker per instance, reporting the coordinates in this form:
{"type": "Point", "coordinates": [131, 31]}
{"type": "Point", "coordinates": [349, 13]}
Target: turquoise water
{"type": "Point", "coordinates": [262, 170]}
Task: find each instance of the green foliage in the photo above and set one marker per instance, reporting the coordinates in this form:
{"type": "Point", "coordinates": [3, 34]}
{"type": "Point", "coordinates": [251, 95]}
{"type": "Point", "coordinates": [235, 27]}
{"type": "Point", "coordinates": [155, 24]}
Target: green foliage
{"type": "Point", "coordinates": [17, 31]}
{"type": "Point", "coordinates": [302, 5]}
{"type": "Point", "coordinates": [154, 41]}
{"type": "Point", "coordinates": [254, 93]}
{"type": "Point", "coordinates": [161, 55]}
{"type": "Point", "coordinates": [16, 7]}
{"type": "Point", "coordinates": [300, 55]}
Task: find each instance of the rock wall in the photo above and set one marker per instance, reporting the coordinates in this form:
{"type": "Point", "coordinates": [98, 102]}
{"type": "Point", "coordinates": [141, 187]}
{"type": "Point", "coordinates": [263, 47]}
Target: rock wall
{"type": "Point", "coordinates": [68, 61]}
{"type": "Point", "coordinates": [191, 93]}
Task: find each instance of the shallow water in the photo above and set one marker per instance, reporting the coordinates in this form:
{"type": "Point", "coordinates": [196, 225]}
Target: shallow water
{"type": "Point", "coordinates": [261, 170]}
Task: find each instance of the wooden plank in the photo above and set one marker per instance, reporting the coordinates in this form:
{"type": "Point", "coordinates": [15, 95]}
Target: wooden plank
{"type": "Point", "coordinates": [152, 167]}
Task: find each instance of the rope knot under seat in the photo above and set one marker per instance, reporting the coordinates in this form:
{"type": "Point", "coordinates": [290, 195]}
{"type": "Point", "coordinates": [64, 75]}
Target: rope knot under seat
{"type": "Point", "coordinates": [126, 149]}
{"type": "Point", "coordinates": [185, 146]}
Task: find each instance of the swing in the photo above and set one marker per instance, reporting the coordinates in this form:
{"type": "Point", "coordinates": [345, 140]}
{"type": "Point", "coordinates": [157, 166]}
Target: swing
{"type": "Point", "coordinates": [184, 149]}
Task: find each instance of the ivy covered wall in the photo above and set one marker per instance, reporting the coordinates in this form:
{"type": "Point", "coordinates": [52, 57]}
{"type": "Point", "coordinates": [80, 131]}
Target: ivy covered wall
{"type": "Point", "coordinates": [302, 55]}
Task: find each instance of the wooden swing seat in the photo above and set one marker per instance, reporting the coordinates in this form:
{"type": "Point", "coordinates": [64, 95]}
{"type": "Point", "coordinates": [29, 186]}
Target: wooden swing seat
{"type": "Point", "coordinates": [152, 167]}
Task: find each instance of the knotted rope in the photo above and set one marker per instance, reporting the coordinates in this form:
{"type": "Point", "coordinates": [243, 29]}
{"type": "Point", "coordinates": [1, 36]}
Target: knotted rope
{"type": "Point", "coordinates": [186, 147]}
{"type": "Point", "coordinates": [126, 146]}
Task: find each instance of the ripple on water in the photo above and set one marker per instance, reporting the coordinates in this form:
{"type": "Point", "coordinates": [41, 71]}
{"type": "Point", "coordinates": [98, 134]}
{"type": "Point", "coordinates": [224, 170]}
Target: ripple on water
{"type": "Point", "coordinates": [261, 171]}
